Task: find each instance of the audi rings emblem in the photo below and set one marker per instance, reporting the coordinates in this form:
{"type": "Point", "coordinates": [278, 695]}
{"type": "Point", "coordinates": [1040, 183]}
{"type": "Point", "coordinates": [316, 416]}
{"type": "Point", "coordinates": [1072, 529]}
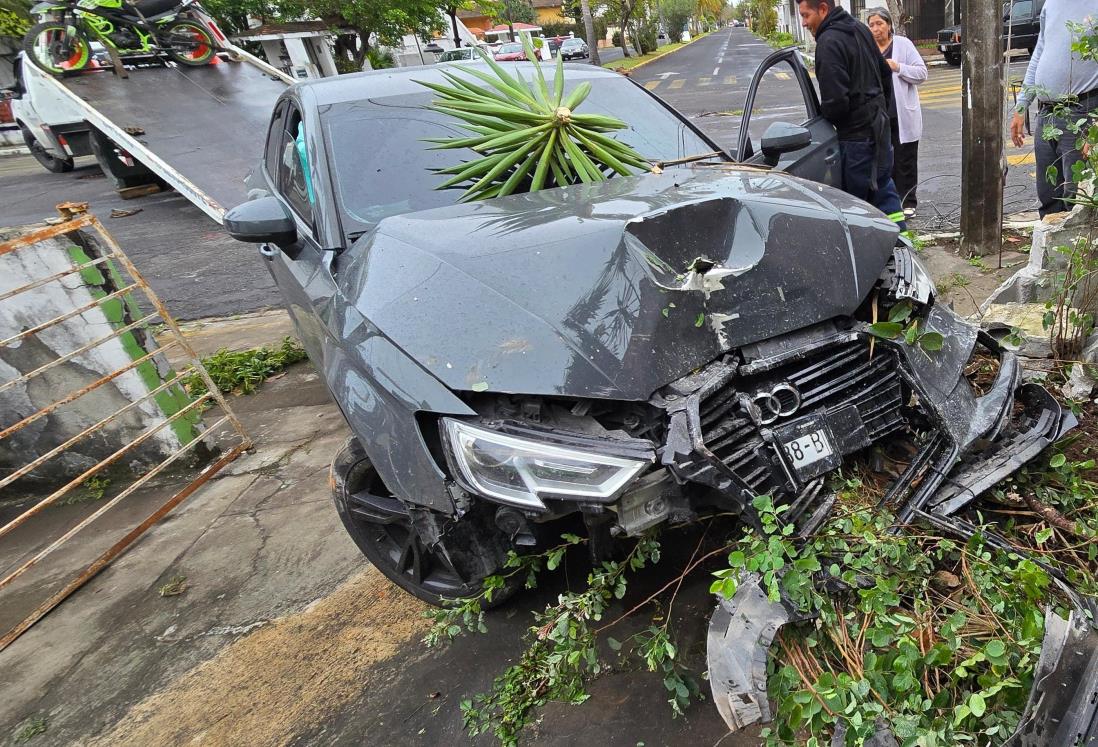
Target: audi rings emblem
{"type": "Point", "coordinates": [779, 402]}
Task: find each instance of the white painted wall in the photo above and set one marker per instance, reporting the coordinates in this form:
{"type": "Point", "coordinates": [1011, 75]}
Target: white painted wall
{"type": "Point", "coordinates": [32, 308]}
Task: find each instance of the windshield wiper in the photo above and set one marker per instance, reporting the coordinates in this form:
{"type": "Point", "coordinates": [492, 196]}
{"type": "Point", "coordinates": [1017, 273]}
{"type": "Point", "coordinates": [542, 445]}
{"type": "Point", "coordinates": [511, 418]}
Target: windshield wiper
{"type": "Point", "coordinates": [690, 159]}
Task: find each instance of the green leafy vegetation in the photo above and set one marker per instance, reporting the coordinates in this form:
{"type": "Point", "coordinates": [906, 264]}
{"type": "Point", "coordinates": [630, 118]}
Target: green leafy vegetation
{"type": "Point", "coordinates": [781, 39]}
{"type": "Point", "coordinates": [92, 489]}
{"type": "Point", "coordinates": [935, 637]}
{"type": "Point", "coordinates": [528, 135]}
{"type": "Point", "coordinates": [176, 585]}
{"type": "Point", "coordinates": [241, 371]}
{"type": "Point", "coordinates": [900, 324]}
{"type": "Point", "coordinates": [32, 728]}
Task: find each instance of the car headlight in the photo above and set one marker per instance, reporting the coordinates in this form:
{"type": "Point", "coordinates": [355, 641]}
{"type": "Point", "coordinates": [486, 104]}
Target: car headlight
{"type": "Point", "coordinates": [523, 472]}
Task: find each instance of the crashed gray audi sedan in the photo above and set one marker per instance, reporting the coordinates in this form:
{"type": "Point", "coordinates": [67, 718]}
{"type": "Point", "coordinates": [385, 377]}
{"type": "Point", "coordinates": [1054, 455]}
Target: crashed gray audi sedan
{"type": "Point", "coordinates": [640, 351]}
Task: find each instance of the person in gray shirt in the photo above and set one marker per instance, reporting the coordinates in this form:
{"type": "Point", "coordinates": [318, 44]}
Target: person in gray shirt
{"type": "Point", "coordinates": [1054, 73]}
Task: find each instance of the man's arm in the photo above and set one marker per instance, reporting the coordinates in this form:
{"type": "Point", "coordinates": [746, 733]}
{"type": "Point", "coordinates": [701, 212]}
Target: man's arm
{"type": "Point", "coordinates": [1025, 97]}
{"type": "Point", "coordinates": [833, 75]}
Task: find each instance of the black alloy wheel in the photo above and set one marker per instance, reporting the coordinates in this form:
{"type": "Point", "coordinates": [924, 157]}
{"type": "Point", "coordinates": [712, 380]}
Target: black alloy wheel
{"type": "Point", "coordinates": [381, 527]}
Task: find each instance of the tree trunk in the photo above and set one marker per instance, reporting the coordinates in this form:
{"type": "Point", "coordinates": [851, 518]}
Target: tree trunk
{"type": "Point", "coordinates": [896, 8]}
{"type": "Point", "coordinates": [589, 31]}
{"type": "Point", "coordinates": [363, 46]}
{"type": "Point", "coordinates": [452, 12]}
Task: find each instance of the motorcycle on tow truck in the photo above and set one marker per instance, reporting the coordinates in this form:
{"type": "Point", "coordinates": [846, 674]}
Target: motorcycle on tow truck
{"type": "Point", "coordinates": [62, 40]}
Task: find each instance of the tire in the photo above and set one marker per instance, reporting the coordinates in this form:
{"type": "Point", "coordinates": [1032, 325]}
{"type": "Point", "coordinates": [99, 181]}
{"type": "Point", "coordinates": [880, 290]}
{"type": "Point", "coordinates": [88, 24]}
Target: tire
{"type": "Point", "coordinates": [57, 47]}
{"type": "Point", "coordinates": [381, 527]}
{"type": "Point", "coordinates": [50, 162]}
{"type": "Point", "coordinates": [187, 42]}
{"type": "Point", "coordinates": [953, 59]}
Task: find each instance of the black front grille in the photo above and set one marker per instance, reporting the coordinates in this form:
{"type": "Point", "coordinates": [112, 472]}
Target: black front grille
{"type": "Point", "coordinates": [829, 381]}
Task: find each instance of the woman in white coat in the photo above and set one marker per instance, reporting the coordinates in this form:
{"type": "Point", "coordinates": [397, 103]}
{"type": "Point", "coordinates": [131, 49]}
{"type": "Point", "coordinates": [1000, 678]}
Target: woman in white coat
{"type": "Point", "coordinates": [908, 71]}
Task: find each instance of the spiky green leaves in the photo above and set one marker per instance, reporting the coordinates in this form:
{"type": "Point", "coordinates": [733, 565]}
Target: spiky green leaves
{"type": "Point", "coordinates": [528, 136]}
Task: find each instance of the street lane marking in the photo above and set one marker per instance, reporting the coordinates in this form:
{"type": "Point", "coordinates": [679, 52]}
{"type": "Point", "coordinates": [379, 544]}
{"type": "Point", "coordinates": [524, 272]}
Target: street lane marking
{"type": "Point", "coordinates": [1022, 158]}
{"type": "Point", "coordinates": [677, 83]}
{"type": "Point", "coordinates": [730, 80]}
{"type": "Point", "coordinates": [782, 76]}
{"type": "Point", "coordinates": [716, 71]}
{"type": "Point", "coordinates": [704, 81]}
{"type": "Point", "coordinates": [652, 85]}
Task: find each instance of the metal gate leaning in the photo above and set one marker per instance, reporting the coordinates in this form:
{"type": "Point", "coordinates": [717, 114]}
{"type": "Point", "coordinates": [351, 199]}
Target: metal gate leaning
{"type": "Point", "coordinates": [161, 413]}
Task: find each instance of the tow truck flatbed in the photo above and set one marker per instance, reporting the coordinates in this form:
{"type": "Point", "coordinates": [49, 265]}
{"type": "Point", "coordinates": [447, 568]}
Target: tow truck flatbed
{"type": "Point", "coordinates": [200, 129]}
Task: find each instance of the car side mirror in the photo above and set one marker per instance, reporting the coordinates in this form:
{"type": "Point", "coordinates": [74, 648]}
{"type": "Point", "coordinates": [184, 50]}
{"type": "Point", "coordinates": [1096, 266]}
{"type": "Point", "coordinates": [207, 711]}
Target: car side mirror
{"type": "Point", "coordinates": [262, 221]}
{"type": "Point", "coordinates": [782, 137]}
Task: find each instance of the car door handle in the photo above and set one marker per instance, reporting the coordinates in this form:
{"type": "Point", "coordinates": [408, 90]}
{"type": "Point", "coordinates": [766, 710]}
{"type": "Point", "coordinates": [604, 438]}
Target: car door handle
{"type": "Point", "coordinates": [832, 156]}
{"type": "Point", "coordinates": [268, 251]}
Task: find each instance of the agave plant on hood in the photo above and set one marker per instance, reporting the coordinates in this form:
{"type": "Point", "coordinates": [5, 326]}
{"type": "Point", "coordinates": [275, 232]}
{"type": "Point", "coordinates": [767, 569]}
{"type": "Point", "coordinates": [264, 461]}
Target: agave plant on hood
{"type": "Point", "coordinates": [528, 135]}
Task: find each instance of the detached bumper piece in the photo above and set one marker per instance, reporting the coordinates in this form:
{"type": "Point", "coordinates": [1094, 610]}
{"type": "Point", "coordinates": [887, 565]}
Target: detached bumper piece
{"type": "Point", "coordinates": [740, 633]}
{"type": "Point", "coordinates": [1042, 422]}
{"type": "Point", "coordinates": [1063, 704]}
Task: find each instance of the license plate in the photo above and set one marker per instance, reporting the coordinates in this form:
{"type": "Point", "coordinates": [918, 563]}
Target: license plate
{"type": "Point", "coordinates": [942, 47]}
{"type": "Point", "coordinates": [808, 449]}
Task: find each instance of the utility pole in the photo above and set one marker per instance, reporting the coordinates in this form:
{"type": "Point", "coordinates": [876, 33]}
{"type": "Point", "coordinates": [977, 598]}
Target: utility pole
{"type": "Point", "coordinates": [982, 129]}
{"type": "Point", "coordinates": [589, 32]}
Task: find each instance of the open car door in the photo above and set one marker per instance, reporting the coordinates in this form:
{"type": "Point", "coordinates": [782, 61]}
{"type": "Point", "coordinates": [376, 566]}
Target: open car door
{"type": "Point", "coordinates": [789, 132]}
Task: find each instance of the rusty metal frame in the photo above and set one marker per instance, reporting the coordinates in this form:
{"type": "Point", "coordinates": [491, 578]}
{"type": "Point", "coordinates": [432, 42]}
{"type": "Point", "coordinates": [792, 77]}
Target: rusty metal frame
{"type": "Point", "coordinates": [224, 423]}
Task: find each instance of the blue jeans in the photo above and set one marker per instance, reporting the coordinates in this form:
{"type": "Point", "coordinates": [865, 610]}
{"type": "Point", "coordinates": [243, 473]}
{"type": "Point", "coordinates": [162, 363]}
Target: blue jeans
{"type": "Point", "coordinates": [859, 158]}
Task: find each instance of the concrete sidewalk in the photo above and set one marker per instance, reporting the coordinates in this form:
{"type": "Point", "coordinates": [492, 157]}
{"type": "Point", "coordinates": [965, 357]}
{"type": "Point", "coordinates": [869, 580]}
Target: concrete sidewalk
{"type": "Point", "coordinates": [284, 634]}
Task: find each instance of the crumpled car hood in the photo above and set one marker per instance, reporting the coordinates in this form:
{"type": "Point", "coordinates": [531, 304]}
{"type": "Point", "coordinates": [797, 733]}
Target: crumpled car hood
{"type": "Point", "coordinates": [614, 289]}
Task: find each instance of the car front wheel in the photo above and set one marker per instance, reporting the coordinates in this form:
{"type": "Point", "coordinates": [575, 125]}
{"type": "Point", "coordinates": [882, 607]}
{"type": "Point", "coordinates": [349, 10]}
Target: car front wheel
{"type": "Point", "coordinates": [381, 526]}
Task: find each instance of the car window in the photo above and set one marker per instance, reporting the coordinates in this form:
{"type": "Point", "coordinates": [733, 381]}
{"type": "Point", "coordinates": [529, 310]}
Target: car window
{"type": "Point", "coordinates": [370, 188]}
{"type": "Point", "coordinates": [1022, 10]}
{"type": "Point", "coordinates": [779, 99]}
{"type": "Point", "coordinates": [510, 48]}
{"type": "Point", "coordinates": [294, 180]}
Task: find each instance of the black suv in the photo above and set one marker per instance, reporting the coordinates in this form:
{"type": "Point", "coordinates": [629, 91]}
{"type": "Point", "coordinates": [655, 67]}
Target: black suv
{"type": "Point", "coordinates": [1021, 25]}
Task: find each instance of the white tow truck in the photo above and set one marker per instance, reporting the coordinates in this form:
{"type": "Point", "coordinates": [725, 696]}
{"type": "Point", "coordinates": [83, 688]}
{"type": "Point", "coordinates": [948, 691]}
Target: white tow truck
{"type": "Point", "coordinates": [197, 129]}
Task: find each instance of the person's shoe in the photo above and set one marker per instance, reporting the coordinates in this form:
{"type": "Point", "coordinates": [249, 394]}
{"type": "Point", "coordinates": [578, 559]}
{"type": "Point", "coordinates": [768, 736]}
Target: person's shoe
{"type": "Point", "coordinates": [909, 212]}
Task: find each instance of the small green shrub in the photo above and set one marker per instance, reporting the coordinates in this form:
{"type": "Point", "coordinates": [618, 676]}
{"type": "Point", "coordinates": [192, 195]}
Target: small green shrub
{"type": "Point", "coordinates": [242, 371]}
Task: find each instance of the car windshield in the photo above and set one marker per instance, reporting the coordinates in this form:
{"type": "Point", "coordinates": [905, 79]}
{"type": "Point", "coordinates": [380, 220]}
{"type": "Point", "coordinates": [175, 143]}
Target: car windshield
{"type": "Point", "coordinates": [571, 43]}
{"type": "Point", "coordinates": [383, 167]}
{"type": "Point", "coordinates": [510, 48]}
{"type": "Point", "coordinates": [456, 54]}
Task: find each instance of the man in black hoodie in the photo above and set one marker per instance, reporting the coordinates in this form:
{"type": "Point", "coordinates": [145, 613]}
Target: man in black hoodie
{"type": "Point", "coordinates": [855, 95]}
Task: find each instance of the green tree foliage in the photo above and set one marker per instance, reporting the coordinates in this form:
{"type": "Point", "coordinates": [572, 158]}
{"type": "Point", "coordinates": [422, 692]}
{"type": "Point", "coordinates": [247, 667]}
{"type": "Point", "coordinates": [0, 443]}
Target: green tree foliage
{"type": "Point", "coordinates": [14, 18]}
{"type": "Point", "coordinates": [676, 14]}
{"type": "Point", "coordinates": [763, 15]}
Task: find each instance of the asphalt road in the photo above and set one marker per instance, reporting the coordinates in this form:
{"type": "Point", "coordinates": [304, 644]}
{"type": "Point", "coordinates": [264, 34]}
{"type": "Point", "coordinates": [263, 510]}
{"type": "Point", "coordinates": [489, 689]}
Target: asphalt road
{"type": "Point", "coordinates": [189, 260]}
{"type": "Point", "coordinates": [709, 79]}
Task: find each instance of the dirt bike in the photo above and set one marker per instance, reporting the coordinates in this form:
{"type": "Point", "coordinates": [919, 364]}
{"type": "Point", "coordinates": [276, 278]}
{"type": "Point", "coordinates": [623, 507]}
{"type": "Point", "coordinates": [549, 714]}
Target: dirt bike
{"type": "Point", "coordinates": [62, 42]}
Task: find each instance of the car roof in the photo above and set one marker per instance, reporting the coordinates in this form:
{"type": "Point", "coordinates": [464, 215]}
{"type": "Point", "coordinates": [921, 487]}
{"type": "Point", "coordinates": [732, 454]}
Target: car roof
{"type": "Point", "coordinates": [401, 81]}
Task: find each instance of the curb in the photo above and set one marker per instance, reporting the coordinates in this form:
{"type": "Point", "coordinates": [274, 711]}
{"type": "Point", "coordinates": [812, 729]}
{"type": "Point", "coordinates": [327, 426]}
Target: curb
{"type": "Point", "coordinates": [639, 65]}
